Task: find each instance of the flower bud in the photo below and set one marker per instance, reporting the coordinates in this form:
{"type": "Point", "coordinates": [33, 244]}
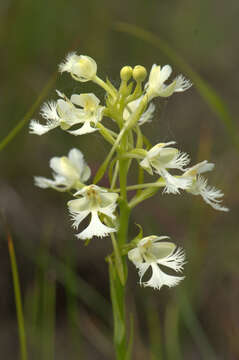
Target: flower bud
{"type": "Point", "coordinates": [126, 73]}
{"type": "Point", "coordinates": [139, 73]}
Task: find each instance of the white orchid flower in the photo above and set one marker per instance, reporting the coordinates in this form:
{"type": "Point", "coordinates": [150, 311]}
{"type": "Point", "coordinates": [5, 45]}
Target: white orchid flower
{"type": "Point", "coordinates": [65, 113]}
{"type": "Point", "coordinates": [94, 201]}
{"type": "Point", "coordinates": [162, 157]}
{"type": "Point", "coordinates": [151, 252]}
{"type": "Point", "coordinates": [132, 107]}
{"type": "Point", "coordinates": [156, 84]}
{"type": "Point", "coordinates": [82, 68]}
{"type": "Point", "coordinates": [199, 185]}
{"type": "Point", "coordinates": [68, 172]}
{"type": "Point", "coordinates": [92, 113]}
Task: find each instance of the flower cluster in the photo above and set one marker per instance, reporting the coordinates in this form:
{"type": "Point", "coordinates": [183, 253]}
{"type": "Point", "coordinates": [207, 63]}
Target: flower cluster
{"type": "Point", "coordinates": [129, 107]}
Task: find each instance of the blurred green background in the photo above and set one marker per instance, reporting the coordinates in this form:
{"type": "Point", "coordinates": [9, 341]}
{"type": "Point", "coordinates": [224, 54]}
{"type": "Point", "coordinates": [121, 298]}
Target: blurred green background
{"type": "Point", "coordinates": [65, 284]}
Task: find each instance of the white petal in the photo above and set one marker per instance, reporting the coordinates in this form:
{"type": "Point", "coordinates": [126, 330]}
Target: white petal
{"type": "Point", "coordinates": [134, 255]}
{"type": "Point", "coordinates": [165, 73]}
{"type": "Point", "coordinates": [85, 129]}
{"type": "Point", "coordinates": [211, 195]}
{"type": "Point", "coordinates": [58, 184]}
{"type": "Point", "coordinates": [39, 129]}
{"type": "Point", "coordinates": [95, 228]}
{"type": "Point", "coordinates": [142, 268]}
{"type": "Point", "coordinates": [199, 168]}
{"type": "Point", "coordinates": [69, 114]}
{"type": "Point", "coordinates": [109, 210]}
{"type": "Point", "coordinates": [66, 65]}
{"type": "Point", "coordinates": [147, 115]}
{"type": "Point", "coordinates": [167, 90]}
{"type": "Point", "coordinates": [162, 249]}
{"type": "Point", "coordinates": [153, 75]}
{"type": "Point", "coordinates": [159, 278]}
{"type": "Point", "coordinates": [164, 158]}
{"type": "Point", "coordinates": [173, 184]}
{"type": "Point", "coordinates": [43, 182]}
{"type": "Point", "coordinates": [78, 217]}
{"type": "Point", "coordinates": [56, 165]}
{"type": "Point", "coordinates": [181, 159]}
{"type": "Point", "coordinates": [77, 159]}
{"type": "Point", "coordinates": [174, 260]}
{"type": "Point", "coordinates": [49, 112]}
{"type": "Point", "coordinates": [79, 205]}
{"type": "Point", "coordinates": [107, 198]}
{"type": "Point", "coordinates": [89, 188]}
{"type": "Point", "coordinates": [205, 166]}
{"type": "Point", "coordinates": [146, 165]}
{"type": "Point", "coordinates": [85, 100]}
{"type": "Point", "coordinates": [182, 84]}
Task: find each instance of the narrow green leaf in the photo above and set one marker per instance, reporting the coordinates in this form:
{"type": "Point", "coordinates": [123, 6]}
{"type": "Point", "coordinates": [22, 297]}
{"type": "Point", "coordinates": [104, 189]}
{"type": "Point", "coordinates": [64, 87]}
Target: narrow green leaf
{"type": "Point", "coordinates": [18, 297]}
{"type": "Point", "coordinates": [131, 338]}
{"type": "Point", "coordinates": [195, 328]}
{"type": "Point", "coordinates": [13, 133]}
{"type": "Point", "coordinates": [172, 344]}
{"type": "Point", "coordinates": [116, 298]}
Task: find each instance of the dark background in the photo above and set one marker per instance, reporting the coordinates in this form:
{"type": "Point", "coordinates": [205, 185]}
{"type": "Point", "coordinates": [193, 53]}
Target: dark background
{"type": "Point", "coordinates": [65, 284]}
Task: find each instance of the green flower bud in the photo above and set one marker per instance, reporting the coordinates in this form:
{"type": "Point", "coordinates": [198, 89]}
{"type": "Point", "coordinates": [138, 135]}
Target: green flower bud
{"type": "Point", "coordinates": [126, 73]}
{"type": "Point", "coordinates": [139, 73]}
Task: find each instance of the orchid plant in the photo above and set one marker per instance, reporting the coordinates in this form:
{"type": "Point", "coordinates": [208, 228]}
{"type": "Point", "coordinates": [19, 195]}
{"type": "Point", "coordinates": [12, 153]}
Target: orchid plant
{"type": "Point", "coordinates": [108, 209]}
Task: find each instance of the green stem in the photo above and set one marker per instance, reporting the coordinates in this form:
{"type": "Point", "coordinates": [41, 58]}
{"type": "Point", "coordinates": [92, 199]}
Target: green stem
{"type": "Point", "coordinates": [158, 183]}
{"type": "Point", "coordinates": [17, 293]}
{"type": "Point", "coordinates": [117, 288]}
{"type": "Point", "coordinates": [115, 174]}
{"type": "Point", "coordinates": [105, 86]}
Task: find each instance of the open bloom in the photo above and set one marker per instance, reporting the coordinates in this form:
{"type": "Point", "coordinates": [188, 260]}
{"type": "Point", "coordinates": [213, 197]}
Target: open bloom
{"type": "Point", "coordinates": [156, 84]}
{"type": "Point", "coordinates": [82, 68]}
{"type": "Point", "coordinates": [199, 186]}
{"type": "Point", "coordinates": [132, 107]}
{"type": "Point", "coordinates": [94, 201]}
{"type": "Point", "coordinates": [68, 172]}
{"type": "Point", "coordinates": [92, 112]}
{"type": "Point", "coordinates": [162, 157]}
{"type": "Point", "coordinates": [151, 252]}
{"type": "Point", "coordinates": [65, 113]}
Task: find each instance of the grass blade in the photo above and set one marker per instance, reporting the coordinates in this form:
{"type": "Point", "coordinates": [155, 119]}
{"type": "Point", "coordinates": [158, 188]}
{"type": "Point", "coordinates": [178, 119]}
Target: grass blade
{"type": "Point", "coordinates": [18, 300]}
{"type": "Point", "coordinates": [11, 135]}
